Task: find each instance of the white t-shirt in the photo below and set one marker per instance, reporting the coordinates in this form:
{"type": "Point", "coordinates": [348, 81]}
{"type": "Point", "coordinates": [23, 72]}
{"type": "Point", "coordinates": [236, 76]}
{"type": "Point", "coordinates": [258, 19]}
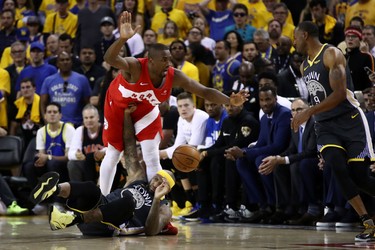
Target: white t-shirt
{"type": "Point", "coordinates": [192, 133]}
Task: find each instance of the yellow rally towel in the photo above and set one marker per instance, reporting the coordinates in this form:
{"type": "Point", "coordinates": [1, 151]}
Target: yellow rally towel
{"type": "Point", "coordinates": [22, 107]}
{"type": "Point", "coordinates": [329, 24]}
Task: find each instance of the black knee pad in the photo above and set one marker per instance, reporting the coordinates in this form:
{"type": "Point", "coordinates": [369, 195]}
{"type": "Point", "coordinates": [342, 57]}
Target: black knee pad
{"type": "Point", "coordinates": [119, 211]}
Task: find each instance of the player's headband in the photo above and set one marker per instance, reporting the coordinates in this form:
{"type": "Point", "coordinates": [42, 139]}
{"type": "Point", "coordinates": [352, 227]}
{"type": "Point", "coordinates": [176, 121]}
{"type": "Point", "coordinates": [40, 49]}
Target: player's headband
{"type": "Point", "coordinates": [169, 178]}
{"type": "Point", "coordinates": [355, 32]}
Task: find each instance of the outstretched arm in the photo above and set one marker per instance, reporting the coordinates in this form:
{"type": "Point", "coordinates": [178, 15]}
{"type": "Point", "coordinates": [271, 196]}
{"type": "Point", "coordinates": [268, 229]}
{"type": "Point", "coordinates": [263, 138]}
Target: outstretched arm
{"type": "Point", "coordinates": [213, 95]}
{"type": "Point", "coordinates": [335, 62]}
{"type": "Point", "coordinates": [126, 32]}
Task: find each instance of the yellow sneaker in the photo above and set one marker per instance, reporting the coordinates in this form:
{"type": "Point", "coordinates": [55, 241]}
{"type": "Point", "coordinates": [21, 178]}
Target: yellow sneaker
{"type": "Point", "coordinates": [187, 209]}
{"type": "Point", "coordinates": [60, 220]}
{"type": "Point", "coordinates": [175, 210]}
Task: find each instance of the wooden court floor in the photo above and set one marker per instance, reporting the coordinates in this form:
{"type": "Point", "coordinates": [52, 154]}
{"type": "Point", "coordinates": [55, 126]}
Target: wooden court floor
{"type": "Point", "coordinates": [33, 232]}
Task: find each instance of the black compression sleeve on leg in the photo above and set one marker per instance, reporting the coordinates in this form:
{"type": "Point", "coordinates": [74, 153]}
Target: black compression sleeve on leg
{"type": "Point", "coordinates": [119, 211]}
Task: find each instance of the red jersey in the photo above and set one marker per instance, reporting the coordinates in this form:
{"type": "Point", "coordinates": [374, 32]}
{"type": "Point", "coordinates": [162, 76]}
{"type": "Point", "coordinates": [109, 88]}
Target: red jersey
{"type": "Point", "coordinates": [146, 117]}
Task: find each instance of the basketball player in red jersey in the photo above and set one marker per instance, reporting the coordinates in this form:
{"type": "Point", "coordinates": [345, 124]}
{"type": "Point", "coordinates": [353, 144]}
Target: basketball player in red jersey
{"type": "Point", "coordinates": [146, 82]}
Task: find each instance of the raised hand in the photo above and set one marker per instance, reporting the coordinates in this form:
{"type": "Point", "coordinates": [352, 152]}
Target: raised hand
{"type": "Point", "coordinates": [239, 98]}
{"type": "Point", "coordinates": [125, 26]}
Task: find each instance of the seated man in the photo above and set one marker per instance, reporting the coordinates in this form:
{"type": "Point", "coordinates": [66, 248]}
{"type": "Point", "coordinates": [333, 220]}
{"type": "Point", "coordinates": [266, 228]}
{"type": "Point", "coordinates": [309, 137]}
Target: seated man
{"type": "Point", "coordinates": [142, 210]}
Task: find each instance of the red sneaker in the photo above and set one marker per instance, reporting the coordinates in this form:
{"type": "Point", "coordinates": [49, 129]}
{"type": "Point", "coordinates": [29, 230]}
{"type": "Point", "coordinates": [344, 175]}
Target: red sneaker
{"type": "Point", "coordinates": [169, 229]}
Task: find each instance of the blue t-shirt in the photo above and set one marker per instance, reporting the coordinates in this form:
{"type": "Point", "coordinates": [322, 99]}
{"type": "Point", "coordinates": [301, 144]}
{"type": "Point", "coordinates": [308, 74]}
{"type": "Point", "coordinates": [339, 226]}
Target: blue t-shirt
{"type": "Point", "coordinates": [218, 21]}
{"type": "Point", "coordinates": [246, 33]}
{"type": "Point", "coordinates": [213, 129]}
{"type": "Point", "coordinates": [224, 74]}
{"type": "Point", "coordinates": [69, 96]}
{"type": "Point", "coordinates": [38, 74]}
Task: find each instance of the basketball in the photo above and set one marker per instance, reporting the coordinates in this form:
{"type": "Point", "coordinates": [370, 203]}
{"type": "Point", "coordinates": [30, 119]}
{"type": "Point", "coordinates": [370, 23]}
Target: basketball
{"type": "Point", "coordinates": [186, 158]}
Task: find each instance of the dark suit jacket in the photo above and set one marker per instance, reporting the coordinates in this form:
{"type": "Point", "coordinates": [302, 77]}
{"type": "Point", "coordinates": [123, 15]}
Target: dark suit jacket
{"type": "Point", "coordinates": [273, 138]}
{"type": "Point", "coordinates": [309, 145]}
{"type": "Point", "coordinates": [371, 119]}
{"type": "Point", "coordinates": [287, 85]}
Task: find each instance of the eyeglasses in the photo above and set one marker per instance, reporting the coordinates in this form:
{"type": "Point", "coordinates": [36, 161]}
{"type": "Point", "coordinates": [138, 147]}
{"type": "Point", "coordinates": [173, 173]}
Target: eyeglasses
{"type": "Point", "coordinates": [177, 48]}
{"type": "Point", "coordinates": [239, 14]}
{"type": "Point", "coordinates": [65, 86]}
{"type": "Point", "coordinates": [297, 110]}
{"type": "Point", "coordinates": [17, 51]}
{"type": "Point", "coordinates": [195, 33]}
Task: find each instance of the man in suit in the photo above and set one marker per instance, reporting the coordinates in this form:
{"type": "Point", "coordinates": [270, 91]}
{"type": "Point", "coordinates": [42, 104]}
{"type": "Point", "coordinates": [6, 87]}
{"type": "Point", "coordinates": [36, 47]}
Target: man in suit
{"type": "Point", "coordinates": [296, 173]}
{"type": "Point", "coordinates": [273, 139]}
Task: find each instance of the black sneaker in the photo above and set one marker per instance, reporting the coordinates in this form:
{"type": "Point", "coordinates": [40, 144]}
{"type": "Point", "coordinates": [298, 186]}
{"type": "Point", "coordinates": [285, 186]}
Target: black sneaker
{"type": "Point", "coordinates": [368, 234]}
{"type": "Point", "coordinates": [192, 216]}
{"type": "Point", "coordinates": [46, 187]}
{"type": "Point", "coordinates": [329, 219]}
{"type": "Point", "coordinates": [350, 220]}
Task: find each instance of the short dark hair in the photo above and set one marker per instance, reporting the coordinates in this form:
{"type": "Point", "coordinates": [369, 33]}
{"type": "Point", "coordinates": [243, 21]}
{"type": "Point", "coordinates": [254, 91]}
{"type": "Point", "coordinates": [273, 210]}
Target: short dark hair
{"type": "Point", "coordinates": [280, 5]}
{"type": "Point", "coordinates": [226, 44]}
{"type": "Point", "coordinates": [154, 49]}
{"type": "Point", "coordinates": [314, 3]}
{"type": "Point", "coordinates": [271, 88]}
{"type": "Point", "coordinates": [58, 105]}
{"type": "Point", "coordinates": [240, 6]}
{"type": "Point", "coordinates": [358, 19]}
{"type": "Point", "coordinates": [184, 95]}
{"type": "Point", "coordinates": [268, 75]}
{"type": "Point", "coordinates": [10, 11]}
{"type": "Point", "coordinates": [309, 27]}
{"type": "Point", "coordinates": [65, 36]}
{"type": "Point", "coordinates": [28, 79]}
{"type": "Point", "coordinates": [180, 42]}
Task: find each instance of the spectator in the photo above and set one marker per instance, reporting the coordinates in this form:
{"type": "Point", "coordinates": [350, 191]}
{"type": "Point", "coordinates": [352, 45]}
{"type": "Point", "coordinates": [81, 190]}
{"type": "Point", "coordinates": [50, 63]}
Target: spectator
{"type": "Point", "coordinates": [330, 31]}
{"type": "Point", "coordinates": [273, 139]}
{"type": "Point", "coordinates": [52, 142]}
{"type": "Point", "coordinates": [10, 201]}
{"type": "Point", "coordinates": [63, 21]}
{"type": "Point", "coordinates": [236, 44]}
{"type": "Point", "coordinates": [357, 61]}
{"type": "Point", "coordinates": [207, 42]}
{"type": "Point", "coordinates": [283, 49]}
{"type": "Point", "coordinates": [257, 13]}
{"type": "Point", "coordinates": [107, 26]}
{"type": "Point", "coordinates": [360, 8]}
{"type": "Point", "coordinates": [240, 129]}
{"type": "Point", "coordinates": [4, 91]}
{"type": "Point", "coordinates": [88, 67]}
{"type": "Point", "coordinates": [37, 70]}
{"type": "Point", "coordinates": [217, 20]}
{"type": "Point", "coordinates": [52, 46]}
{"type": "Point", "coordinates": [86, 150]}
{"type": "Point", "coordinates": [262, 40]}
{"type": "Point", "coordinates": [170, 33]}
{"type": "Point", "coordinates": [68, 88]}
{"type": "Point", "coordinates": [274, 30]}
{"type": "Point", "coordinates": [132, 6]}
{"type": "Point", "coordinates": [167, 12]}
{"type": "Point", "coordinates": [225, 70]}
{"type": "Point", "coordinates": [18, 54]}
{"type": "Point", "coordinates": [65, 43]}
{"type": "Point", "coordinates": [8, 31]}
{"type": "Point", "coordinates": [296, 173]}
{"type": "Point", "coordinates": [240, 14]}
{"type": "Point", "coordinates": [250, 52]}
{"type": "Point", "coordinates": [280, 13]}
{"type": "Point", "coordinates": [368, 33]}
{"type": "Point", "coordinates": [190, 130]}
{"type": "Point", "coordinates": [33, 25]}
{"type": "Point", "coordinates": [291, 83]}
{"type": "Point", "coordinates": [26, 119]}
{"type": "Point", "coordinates": [88, 31]}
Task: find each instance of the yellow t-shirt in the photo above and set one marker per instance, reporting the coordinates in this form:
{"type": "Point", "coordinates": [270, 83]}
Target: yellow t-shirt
{"type": "Point", "coordinates": [192, 72]}
{"type": "Point", "coordinates": [166, 41]}
{"type": "Point", "coordinates": [366, 11]}
{"type": "Point", "coordinates": [268, 17]}
{"type": "Point", "coordinates": [288, 30]}
{"type": "Point", "coordinates": [6, 58]}
{"type": "Point", "coordinates": [56, 25]}
{"type": "Point", "coordinates": [175, 15]}
{"type": "Point", "coordinates": [257, 13]}
{"type": "Point", "coordinates": [191, 5]}
{"type": "Point", "coordinates": [5, 87]}
{"type": "Point", "coordinates": [49, 6]}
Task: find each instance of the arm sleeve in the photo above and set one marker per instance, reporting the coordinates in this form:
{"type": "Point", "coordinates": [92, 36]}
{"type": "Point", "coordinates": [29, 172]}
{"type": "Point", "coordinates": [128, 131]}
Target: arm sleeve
{"type": "Point", "coordinates": [76, 143]}
{"type": "Point", "coordinates": [179, 139]}
{"type": "Point", "coordinates": [68, 134]}
{"type": "Point", "coordinates": [40, 141]}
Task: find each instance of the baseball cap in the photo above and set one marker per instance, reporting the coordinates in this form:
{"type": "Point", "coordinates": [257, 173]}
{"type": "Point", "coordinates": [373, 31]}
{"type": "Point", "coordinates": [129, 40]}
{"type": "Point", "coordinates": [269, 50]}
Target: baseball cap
{"type": "Point", "coordinates": [37, 45]}
{"type": "Point", "coordinates": [32, 20]}
{"type": "Point", "coordinates": [107, 19]}
{"type": "Point", "coordinates": [23, 34]}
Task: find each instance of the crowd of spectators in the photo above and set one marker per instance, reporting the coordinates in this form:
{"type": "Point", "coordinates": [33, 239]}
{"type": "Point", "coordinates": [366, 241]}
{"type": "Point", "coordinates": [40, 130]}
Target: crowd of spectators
{"type": "Point", "coordinates": [253, 169]}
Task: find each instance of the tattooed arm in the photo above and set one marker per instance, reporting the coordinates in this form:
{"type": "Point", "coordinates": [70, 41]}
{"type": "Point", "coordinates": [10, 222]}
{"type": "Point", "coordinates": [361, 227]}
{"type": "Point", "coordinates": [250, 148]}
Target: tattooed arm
{"type": "Point", "coordinates": [132, 165]}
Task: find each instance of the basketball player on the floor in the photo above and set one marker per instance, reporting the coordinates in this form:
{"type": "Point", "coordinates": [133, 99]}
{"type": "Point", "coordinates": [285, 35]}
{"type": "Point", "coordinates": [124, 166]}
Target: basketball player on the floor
{"type": "Point", "coordinates": [146, 82]}
{"type": "Point", "coordinates": [342, 130]}
{"type": "Point", "coordinates": [137, 208]}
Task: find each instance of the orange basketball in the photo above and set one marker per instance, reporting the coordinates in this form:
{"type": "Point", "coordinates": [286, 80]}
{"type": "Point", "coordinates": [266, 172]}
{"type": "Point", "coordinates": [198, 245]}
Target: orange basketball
{"type": "Point", "coordinates": [186, 158]}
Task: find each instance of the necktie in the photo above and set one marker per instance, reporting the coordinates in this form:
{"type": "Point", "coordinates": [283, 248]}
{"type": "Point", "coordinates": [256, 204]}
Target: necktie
{"type": "Point", "coordinates": [300, 139]}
